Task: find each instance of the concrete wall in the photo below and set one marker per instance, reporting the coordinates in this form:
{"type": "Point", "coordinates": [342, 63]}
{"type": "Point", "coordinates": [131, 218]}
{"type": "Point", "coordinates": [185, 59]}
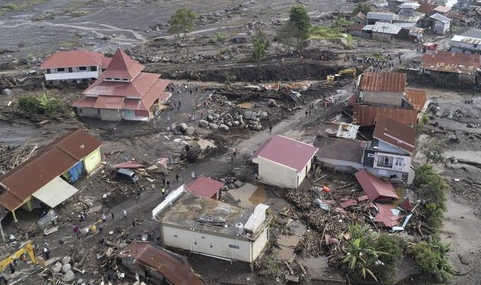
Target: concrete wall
{"type": "Point", "coordinates": [110, 115]}
{"type": "Point", "coordinates": [382, 37]}
{"type": "Point", "coordinates": [385, 98]}
{"type": "Point", "coordinates": [406, 163]}
{"type": "Point", "coordinates": [88, 112]}
{"type": "Point", "coordinates": [92, 160]}
{"type": "Point", "coordinates": [387, 174]}
{"type": "Point", "coordinates": [234, 248]}
{"type": "Point", "coordinates": [278, 175]}
{"type": "Point", "coordinates": [260, 243]}
{"type": "Point", "coordinates": [465, 47]}
{"type": "Point", "coordinates": [341, 166]}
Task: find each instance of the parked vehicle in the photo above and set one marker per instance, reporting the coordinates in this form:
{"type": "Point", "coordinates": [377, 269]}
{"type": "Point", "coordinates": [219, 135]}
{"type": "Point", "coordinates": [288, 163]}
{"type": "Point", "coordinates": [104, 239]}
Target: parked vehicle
{"type": "Point", "coordinates": [126, 175]}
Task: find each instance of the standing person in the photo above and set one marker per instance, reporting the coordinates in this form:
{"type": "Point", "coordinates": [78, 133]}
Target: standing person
{"type": "Point", "coordinates": [125, 214]}
{"type": "Point", "coordinates": [163, 191]}
{"type": "Point", "coordinates": [12, 268]}
{"type": "Point", "coordinates": [112, 215]}
{"type": "Point", "coordinates": [270, 129]}
{"type": "Point", "coordinates": [177, 177]}
{"type": "Point", "coordinates": [104, 218]}
{"type": "Point", "coordinates": [307, 113]}
{"type": "Point", "coordinates": [163, 181]}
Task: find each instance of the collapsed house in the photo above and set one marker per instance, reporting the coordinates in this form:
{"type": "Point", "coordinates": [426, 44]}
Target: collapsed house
{"type": "Point", "coordinates": [45, 177]}
{"type": "Point", "coordinates": [209, 227]}
{"type": "Point", "coordinates": [283, 162]}
{"type": "Point", "coordinates": [123, 92]}
{"type": "Point", "coordinates": [156, 264]}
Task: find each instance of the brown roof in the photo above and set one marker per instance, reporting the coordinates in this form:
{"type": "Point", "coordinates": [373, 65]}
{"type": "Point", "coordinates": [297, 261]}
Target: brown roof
{"type": "Point", "coordinates": [122, 66]}
{"type": "Point", "coordinates": [375, 188]}
{"type": "Point", "coordinates": [386, 216]}
{"type": "Point", "coordinates": [365, 115]}
{"type": "Point", "coordinates": [395, 133]}
{"type": "Point", "coordinates": [454, 62]}
{"type": "Point", "coordinates": [352, 150]}
{"type": "Point", "coordinates": [173, 266]}
{"type": "Point", "coordinates": [287, 152]}
{"type": "Point", "coordinates": [426, 7]}
{"type": "Point", "coordinates": [73, 58]}
{"type": "Point", "coordinates": [441, 9]}
{"type": "Point", "coordinates": [383, 81]}
{"type": "Point", "coordinates": [417, 98]}
{"type": "Point", "coordinates": [204, 186]}
{"type": "Point", "coordinates": [51, 161]}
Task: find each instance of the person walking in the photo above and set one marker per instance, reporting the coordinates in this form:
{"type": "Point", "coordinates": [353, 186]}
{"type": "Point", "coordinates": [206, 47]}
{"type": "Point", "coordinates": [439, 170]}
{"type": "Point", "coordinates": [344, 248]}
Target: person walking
{"type": "Point", "coordinates": [104, 218]}
{"type": "Point", "coordinates": [270, 129]}
{"type": "Point", "coordinates": [125, 214]}
{"type": "Point", "coordinates": [177, 177]}
{"type": "Point", "coordinates": [163, 191]}
{"type": "Point", "coordinates": [112, 215]}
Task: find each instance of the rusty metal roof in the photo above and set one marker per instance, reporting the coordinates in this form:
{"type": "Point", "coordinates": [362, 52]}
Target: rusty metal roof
{"type": "Point", "coordinates": [375, 188]}
{"type": "Point", "coordinates": [204, 186]}
{"type": "Point", "coordinates": [51, 161]}
{"type": "Point", "coordinates": [172, 266]}
{"type": "Point", "coordinates": [395, 133]}
{"type": "Point", "coordinates": [417, 98]}
{"type": "Point", "coordinates": [73, 58]}
{"type": "Point", "coordinates": [365, 115]}
{"type": "Point", "coordinates": [453, 62]}
{"type": "Point", "coordinates": [123, 67]}
{"type": "Point", "coordinates": [383, 81]}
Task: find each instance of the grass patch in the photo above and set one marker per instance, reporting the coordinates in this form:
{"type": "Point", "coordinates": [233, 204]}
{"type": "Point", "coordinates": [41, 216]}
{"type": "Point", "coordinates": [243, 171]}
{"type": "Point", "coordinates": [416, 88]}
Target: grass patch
{"type": "Point", "coordinates": [329, 33]}
{"type": "Point", "coordinates": [11, 7]}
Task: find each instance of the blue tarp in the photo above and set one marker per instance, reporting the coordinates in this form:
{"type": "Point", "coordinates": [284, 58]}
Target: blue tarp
{"type": "Point", "coordinates": [76, 172]}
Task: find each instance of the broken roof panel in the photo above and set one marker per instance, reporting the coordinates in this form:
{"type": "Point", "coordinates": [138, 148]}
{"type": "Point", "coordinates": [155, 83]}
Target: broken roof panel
{"type": "Point", "coordinates": [472, 33]}
{"type": "Point", "coordinates": [204, 186]}
{"type": "Point", "coordinates": [171, 265]}
{"type": "Point", "coordinates": [453, 62]}
{"type": "Point", "coordinates": [287, 152]}
{"type": "Point", "coordinates": [386, 216]}
{"type": "Point", "coordinates": [417, 98]}
{"type": "Point", "coordinates": [375, 188]}
{"type": "Point", "coordinates": [352, 150]}
{"type": "Point", "coordinates": [383, 81]}
{"type": "Point", "coordinates": [395, 133]}
{"type": "Point", "coordinates": [365, 115]}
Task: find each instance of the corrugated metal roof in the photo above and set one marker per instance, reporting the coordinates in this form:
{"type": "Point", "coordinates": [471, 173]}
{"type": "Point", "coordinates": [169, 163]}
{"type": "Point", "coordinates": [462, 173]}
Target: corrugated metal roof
{"type": "Point", "coordinates": [173, 266]}
{"type": "Point", "coordinates": [395, 133]}
{"type": "Point", "coordinates": [287, 152]}
{"type": "Point", "coordinates": [123, 67]}
{"type": "Point", "coordinates": [426, 6]}
{"type": "Point", "coordinates": [465, 39]}
{"type": "Point", "coordinates": [380, 16]}
{"type": "Point", "coordinates": [385, 28]}
{"type": "Point", "coordinates": [375, 188]}
{"type": "Point", "coordinates": [340, 149]}
{"type": "Point", "coordinates": [442, 9]}
{"type": "Point", "coordinates": [365, 115]}
{"type": "Point", "coordinates": [383, 81]}
{"type": "Point", "coordinates": [55, 192]}
{"type": "Point", "coordinates": [417, 98]}
{"type": "Point", "coordinates": [454, 62]}
{"type": "Point", "coordinates": [109, 102]}
{"type": "Point", "coordinates": [440, 18]}
{"type": "Point", "coordinates": [51, 161]}
{"type": "Point", "coordinates": [73, 58]}
{"type": "Point", "coordinates": [204, 186]}
{"type": "Point", "coordinates": [472, 33]}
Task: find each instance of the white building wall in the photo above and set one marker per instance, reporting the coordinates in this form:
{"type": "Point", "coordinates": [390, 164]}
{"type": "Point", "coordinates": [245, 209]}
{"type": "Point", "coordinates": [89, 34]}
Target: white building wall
{"type": "Point", "coordinates": [71, 75]}
{"type": "Point", "coordinates": [404, 168]}
{"type": "Point", "coordinates": [275, 174]}
{"type": "Point", "coordinates": [463, 47]}
{"type": "Point", "coordinates": [235, 248]}
{"type": "Point", "coordinates": [260, 243]}
{"type": "Point", "coordinates": [340, 165]}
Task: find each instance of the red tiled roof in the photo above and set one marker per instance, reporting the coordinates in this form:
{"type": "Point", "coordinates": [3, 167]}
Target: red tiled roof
{"type": "Point", "coordinates": [122, 66]}
{"type": "Point", "coordinates": [375, 188]}
{"type": "Point", "coordinates": [85, 102]}
{"type": "Point", "coordinates": [204, 186]}
{"type": "Point", "coordinates": [395, 133]}
{"type": "Point", "coordinates": [454, 62]}
{"type": "Point", "coordinates": [417, 98]}
{"type": "Point", "coordinates": [365, 115]}
{"type": "Point", "coordinates": [383, 81]}
{"type": "Point", "coordinates": [51, 161]}
{"type": "Point", "coordinates": [173, 266]}
{"type": "Point", "coordinates": [109, 102]}
{"type": "Point", "coordinates": [287, 152]}
{"type": "Point", "coordinates": [73, 58]}
{"type": "Point", "coordinates": [137, 88]}
{"type": "Point", "coordinates": [386, 216]}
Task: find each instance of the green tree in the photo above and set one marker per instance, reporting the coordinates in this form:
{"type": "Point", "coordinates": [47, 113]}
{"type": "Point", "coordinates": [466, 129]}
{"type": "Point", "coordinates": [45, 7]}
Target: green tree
{"type": "Point", "coordinates": [299, 24]}
{"type": "Point", "coordinates": [362, 7]}
{"type": "Point", "coordinates": [394, 247]}
{"type": "Point", "coordinates": [182, 23]}
{"type": "Point", "coordinates": [431, 257]}
{"type": "Point", "coordinates": [260, 44]}
{"type": "Point", "coordinates": [434, 151]}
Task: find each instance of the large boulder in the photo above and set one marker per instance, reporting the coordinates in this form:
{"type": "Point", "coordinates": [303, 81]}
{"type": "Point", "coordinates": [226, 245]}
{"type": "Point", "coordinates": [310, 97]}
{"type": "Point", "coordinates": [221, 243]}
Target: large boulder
{"type": "Point", "coordinates": [183, 127]}
{"type": "Point", "coordinates": [66, 267]}
{"type": "Point", "coordinates": [66, 259]}
{"type": "Point", "coordinates": [57, 267]}
{"type": "Point", "coordinates": [213, 126]}
{"type": "Point", "coordinates": [190, 131]}
{"type": "Point", "coordinates": [203, 124]}
{"type": "Point", "coordinates": [224, 128]}
{"type": "Point", "coordinates": [249, 115]}
{"type": "Point", "coordinates": [69, 276]}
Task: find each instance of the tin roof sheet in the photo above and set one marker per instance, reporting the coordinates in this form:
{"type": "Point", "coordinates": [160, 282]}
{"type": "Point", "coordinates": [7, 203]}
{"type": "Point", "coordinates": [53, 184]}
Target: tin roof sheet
{"type": "Point", "coordinates": [417, 98]}
{"type": "Point", "coordinates": [365, 115]}
{"type": "Point", "coordinates": [453, 62]}
{"type": "Point", "coordinates": [204, 186]}
{"type": "Point", "coordinates": [383, 81]}
{"type": "Point", "coordinates": [73, 58]}
{"type": "Point", "coordinates": [374, 187]}
{"type": "Point", "coordinates": [395, 133]}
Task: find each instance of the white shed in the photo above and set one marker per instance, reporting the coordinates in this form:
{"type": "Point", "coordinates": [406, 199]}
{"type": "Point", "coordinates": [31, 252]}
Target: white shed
{"type": "Point", "coordinates": [283, 161]}
{"type": "Point", "coordinates": [209, 227]}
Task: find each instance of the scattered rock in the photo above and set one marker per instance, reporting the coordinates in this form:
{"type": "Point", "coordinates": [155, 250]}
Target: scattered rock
{"type": "Point", "coordinates": [57, 267]}
{"type": "Point", "coordinates": [203, 124]}
{"type": "Point", "coordinates": [223, 127]}
{"type": "Point", "coordinates": [190, 131]}
{"type": "Point", "coordinates": [66, 259]}
{"type": "Point", "coordinates": [66, 267]}
{"type": "Point", "coordinates": [68, 276]}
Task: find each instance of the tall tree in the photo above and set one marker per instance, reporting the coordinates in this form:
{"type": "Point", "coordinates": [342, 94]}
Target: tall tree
{"type": "Point", "coordinates": [362, 7]}
{"type": "Point", "coordinates": [182, 23]}
{"type": "Point", "coordinates": [300, 23]}
{"type": "Point", "coordinates": [260, 44]}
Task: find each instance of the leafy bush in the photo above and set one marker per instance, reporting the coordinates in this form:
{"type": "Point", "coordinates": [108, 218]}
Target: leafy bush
{"type": "Point", "coordinates": [43, 105]}
{"type": "Point", "coordinates": [431, 257]}
{"type": "Point", "coordinates": [394, 247]}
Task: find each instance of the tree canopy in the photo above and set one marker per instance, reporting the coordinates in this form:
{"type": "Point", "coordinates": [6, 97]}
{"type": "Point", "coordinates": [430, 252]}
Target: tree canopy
{"type": "Point", "coordinates": [362, 7]}
{"type": "Point", "coordinates": [183, 21]}
{"type": "Point", "coordinates": [260, 44]}
{"type": "Point", "coordinates": [297, 27]}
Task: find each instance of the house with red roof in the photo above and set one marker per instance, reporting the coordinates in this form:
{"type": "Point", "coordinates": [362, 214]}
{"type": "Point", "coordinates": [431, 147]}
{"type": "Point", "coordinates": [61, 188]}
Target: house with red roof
{"type": "Point", "coordinates": [123, 92]}
{"type": "Point", "coordinates": [204, 186]}
{"type": "Point", "coordinates": [283, 161]}
{"type": "Point", "coordinates": [389, 153]}
{"type": "Point", "coordinates": [74, 66]}
{"type": "Point", "coordinates": [375, 188]}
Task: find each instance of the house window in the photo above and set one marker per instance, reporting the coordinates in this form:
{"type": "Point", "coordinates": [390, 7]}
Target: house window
{"type": "Point", "coordinates": [371, 155]}
{"type": "Point", "coordinates": [49, 70]}
{"type": "Point", "coordinates": [175, 235]}
{"type": "Point", "coordinates": [384, 161]}
{"type": "Point", "coordinates": [60, 69]}
{"type": "Point", "coordinates": [70, 69]}
{"type": "Point", "coordinates": [233, 246]}
{"type": "Point", "coordinates": [399, 162]}
{"type": "Point", "coordinates": [93, 68]}
{"type": "Point", "coordinates": [82, 68]}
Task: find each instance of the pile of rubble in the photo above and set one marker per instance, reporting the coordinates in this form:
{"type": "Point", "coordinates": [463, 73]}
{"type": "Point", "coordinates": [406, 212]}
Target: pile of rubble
{"type": "Point", "coordinates": [11, 156]}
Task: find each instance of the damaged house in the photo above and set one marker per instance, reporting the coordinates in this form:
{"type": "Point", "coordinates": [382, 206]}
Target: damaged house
{"type": "Point", "coordinates": [45, 177]}
{"type": "Point", "coordinates": [467, 42]}
{"type": "Point", "coordinates": [123, 92]}
{"type": "Point", "coordinates": [284, 162]}
{"type": "Point", "coordinates": [209, 227]}
{"type": "Point", "coordinates": [205, 186]}
{"type": "Point", "coordinates": [452, 67]}
{"type": "Point", "coordinates": [74, 66]}
{"type": "Point", "coordinates": [157, 265]}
